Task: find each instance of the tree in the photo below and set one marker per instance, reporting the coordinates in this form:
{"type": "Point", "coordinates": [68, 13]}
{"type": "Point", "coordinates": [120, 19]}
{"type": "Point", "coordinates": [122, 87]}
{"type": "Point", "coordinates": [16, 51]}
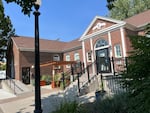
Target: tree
{"type": "Point", "coordinates": [137, 77]}
{"type": "Point", "coordinates": [25, 4]}
{"type": "Point", "coordinates": [121, 9]}
{"type": "Point", "coordinates": [110, 4]}
{"type": "Point", "coordinates": [6, 31]}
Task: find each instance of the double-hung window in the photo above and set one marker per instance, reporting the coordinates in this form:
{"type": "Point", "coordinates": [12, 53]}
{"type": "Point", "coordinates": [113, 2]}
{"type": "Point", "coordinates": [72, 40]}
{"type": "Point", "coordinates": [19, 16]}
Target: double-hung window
{"type": "Point", "coordinates": [76, 56]}
{"type": "Point", "coordinates": [117, 49]}
{"type": "Point", "coordinates": [67, 59]}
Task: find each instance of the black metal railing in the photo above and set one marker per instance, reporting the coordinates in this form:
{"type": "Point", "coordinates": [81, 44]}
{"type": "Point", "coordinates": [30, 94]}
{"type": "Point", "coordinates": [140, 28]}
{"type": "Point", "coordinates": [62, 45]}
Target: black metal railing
{"type": "Point", "coordinates": [118, 65]}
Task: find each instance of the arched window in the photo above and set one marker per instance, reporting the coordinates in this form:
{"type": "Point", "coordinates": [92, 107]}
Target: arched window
{"type": "Point", "coordinates": [101, 43]}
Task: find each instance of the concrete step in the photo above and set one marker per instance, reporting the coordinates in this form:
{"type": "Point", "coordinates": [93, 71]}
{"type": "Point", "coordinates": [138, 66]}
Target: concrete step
{"type": "Point", "coordinates": [14, 86]}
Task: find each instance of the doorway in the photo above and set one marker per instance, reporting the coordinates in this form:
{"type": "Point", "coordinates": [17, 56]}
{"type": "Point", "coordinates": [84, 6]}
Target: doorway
{"type": "Point", "coordinates": [26, 75]}
{"type": "Point", "coordinates": [103, 61]}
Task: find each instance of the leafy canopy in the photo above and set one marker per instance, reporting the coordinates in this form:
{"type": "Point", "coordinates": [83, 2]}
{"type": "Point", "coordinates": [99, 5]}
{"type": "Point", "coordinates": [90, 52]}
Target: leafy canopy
{"type": "Point", "coordinates": [6, 31]}
{"type": "Point", "coordinates": [121, 9]}
{"type": "Point", "coordinates": [25, 4]}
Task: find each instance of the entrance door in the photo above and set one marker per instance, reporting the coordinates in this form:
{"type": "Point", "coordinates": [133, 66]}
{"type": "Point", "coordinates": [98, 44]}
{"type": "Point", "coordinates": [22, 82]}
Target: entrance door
{"type": "Point", "coordinates": [103, 61]}
{"type": "Point", "coordinates": [26, 75]}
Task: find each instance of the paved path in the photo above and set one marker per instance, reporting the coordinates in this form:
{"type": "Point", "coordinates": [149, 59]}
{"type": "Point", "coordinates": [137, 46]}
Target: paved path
{"type": "Point", "coordinates": [50, 99]}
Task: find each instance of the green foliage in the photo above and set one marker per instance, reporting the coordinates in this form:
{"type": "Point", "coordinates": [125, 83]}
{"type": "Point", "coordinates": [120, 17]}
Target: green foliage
{"type": "Point", "coordinates": [116, 104]}
{"type": "Point", "coordinates": [6, 30]}
{"type": "Point", "coordinates": [121, 9]}
{"type": "Point", "coordinates": [137, 77]}
{"type": "Point", "coordinates": [69, 107]}
{"type": "Point", "coordinates": [2, 66]}
{"type": "Point", "coordinates": [110, 4]}
{"type": "Point", "coordinates": [57, 78]}
{"type": "Point", "coordinates": [47, 78]}
{"type": "Point", "coordinates": [26, 5]}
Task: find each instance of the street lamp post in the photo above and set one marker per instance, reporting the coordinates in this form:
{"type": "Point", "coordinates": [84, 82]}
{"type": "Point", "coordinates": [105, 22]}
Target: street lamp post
{"type": "Point", "coordinates": [37, 60]}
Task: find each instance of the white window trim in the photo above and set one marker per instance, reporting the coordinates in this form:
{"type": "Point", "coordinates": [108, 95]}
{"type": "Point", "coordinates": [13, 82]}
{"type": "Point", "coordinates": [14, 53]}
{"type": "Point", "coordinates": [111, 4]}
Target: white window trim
{"type": "Point", "coordinates": [87, 55]}
{"type": "Point", "coordinates": [75, 56]}
{"type": "Point", "coordinates": [68, 59]}
{"type": "Point", "coordinates": [115, 51]}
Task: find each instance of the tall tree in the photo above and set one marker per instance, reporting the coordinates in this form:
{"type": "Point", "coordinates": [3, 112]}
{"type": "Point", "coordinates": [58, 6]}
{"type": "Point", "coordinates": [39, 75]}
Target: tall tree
{"type": "Point", "coordinates": [121, 9]}
{"type": "Point", "coordinates": [110, 4]}
{"type": "Point", "coordinates": [6, 31]}
{"type": "Point", "coordinates": [137, 77]}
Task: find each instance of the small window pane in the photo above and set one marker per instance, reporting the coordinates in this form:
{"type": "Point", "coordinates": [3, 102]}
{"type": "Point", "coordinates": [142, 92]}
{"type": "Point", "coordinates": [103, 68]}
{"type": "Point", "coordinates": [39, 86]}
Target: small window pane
{"type": "Point", "coordinates": [56, 58]}
{"type": "Point", "coordinates": [117, 51]}
{"type": "Point", "coordinates": [76, 56]}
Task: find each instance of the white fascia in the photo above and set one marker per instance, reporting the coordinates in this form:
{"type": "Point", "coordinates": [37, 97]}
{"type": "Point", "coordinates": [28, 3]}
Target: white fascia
{"type": "Point", "coordinates": [103, 31]}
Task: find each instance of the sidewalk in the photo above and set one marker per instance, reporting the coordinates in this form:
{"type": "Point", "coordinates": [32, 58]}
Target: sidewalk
{"type": "Point", "coordinates": [50, 99]}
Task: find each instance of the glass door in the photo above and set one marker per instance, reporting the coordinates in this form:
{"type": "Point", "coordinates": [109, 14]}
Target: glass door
{"type": "Point", "coordinates": [26, 75]}
{"type": "Point", "coordinates": [103, 61]}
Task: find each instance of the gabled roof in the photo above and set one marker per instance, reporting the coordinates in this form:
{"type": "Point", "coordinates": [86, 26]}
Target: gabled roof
{"type": "Point", "coordinates": [27, 44]}
{"type": "Point", "coordinates": [102, 18]}
{"type": "Point", "coordinates": [139, 20]}
{"type": "Point", "coordinates": [116, 24]}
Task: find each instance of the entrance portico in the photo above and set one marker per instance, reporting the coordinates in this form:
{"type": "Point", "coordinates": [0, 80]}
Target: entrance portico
{"type": "Point", "coordinates": [101, 41]}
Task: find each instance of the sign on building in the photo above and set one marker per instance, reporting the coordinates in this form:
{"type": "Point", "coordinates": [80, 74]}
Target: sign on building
{"type": "Point", "coordinates": [2, 74]}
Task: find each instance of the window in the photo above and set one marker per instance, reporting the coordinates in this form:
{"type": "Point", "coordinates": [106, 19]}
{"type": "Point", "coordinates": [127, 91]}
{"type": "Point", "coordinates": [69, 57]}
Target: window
{"type": "Point", "coordinates": [101, 43]}
{"type": "Point", "coordinates": [89, 57]}
{"type": "Point", "coordinates": [67, 59]}
{"type": "Point", "coordinates": [56, 58]}
{"type": "Point", "coordinates": [117, 50]}
{"type": "Point", "coordinates": [76, 56]}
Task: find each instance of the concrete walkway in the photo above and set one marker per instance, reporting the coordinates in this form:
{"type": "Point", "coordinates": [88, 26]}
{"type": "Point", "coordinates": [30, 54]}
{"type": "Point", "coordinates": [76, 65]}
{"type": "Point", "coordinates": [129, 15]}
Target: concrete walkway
{"type": "Point", "coordinates": [50, 98]}
{"type": "Point", "coordinates": [5, 95]}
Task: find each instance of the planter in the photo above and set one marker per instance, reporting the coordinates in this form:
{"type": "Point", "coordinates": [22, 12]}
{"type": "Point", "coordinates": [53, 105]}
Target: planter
{"type": "Point", "coordinates": [53, 84]}
{"type": "Point", "coordinates": [99, 94]}
{"type": "Point", "coordinates": [42, 83]}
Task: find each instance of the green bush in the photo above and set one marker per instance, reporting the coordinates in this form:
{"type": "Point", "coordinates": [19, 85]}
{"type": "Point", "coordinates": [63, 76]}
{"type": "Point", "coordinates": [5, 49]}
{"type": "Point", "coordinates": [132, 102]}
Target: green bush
{"type": "Point", "coordinates": [47, 78]}
{"type": "Point", "coordinates": [2, 66]}
{"type": "Point", "coordinates": [69, 107]}
{"type": "Point", "coordinates": [115, 104]}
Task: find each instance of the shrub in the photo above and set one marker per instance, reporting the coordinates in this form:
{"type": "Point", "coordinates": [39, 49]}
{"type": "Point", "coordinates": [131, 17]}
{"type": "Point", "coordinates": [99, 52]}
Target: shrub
{"type": "Point", "coordinates": [115, 104]}
{"type": "Point", "coordinates": [47, 79]}
{"type": "Point", "coordinates": [69, 107]}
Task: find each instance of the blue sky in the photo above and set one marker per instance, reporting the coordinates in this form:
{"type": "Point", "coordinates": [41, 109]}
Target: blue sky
{"type": "Point", "coordinates": [63, 19]}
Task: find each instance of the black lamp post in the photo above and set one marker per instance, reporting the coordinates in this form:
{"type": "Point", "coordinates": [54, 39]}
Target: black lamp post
{"type": "Point", "coordinates": [37, 60]}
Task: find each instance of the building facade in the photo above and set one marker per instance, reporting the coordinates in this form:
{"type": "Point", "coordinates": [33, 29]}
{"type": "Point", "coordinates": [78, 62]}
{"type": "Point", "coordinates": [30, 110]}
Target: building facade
{"type": "Point", "coordinates": [104, 40]}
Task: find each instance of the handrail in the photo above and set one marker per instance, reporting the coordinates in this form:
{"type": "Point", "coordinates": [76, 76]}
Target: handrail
{"type": "Point", "coordinates": [14, 85]}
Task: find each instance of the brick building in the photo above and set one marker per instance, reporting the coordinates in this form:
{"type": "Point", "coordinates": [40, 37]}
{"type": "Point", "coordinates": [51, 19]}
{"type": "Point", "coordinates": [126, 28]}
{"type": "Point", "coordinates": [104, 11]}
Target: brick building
{"type": "Point", "coordinates": [104, 38]}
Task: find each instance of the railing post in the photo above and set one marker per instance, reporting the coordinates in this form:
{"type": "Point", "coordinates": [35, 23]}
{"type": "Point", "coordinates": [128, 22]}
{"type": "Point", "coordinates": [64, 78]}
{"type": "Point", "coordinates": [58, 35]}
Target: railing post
{"type": "Point", "coordinates": [126, 61]}
{"type": "Point", "coordinates": [88, 74]}
{"type": "Point", "coordinates": [78, 75]}
{"type": "Point", "coordinates": [63, 79]}
{"type": "Point", "coordinates": [14, 88]}
{"type": "Point", "coordinates": [96, 66]}
{"type": "Point", "coordinates": [72, 72]}
{"type": "Point", "coordinates": [102, 82]}
{"type": "Point", "coordinates": [83, 68]}
{"type": "Point", "coordinates": [80, 67]}
{"type": "Point", "coordinates": [113, 66]}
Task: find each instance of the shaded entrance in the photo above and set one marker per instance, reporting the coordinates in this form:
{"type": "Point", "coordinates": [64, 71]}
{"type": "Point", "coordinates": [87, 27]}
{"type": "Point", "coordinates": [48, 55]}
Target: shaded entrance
{"type": "Point", "coordinates": [26, 75]}
{"type": "Point", "coordinates": [103, 61]}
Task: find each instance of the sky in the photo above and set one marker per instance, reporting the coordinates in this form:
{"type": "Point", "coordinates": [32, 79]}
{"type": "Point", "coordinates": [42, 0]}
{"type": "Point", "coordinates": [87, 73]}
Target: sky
{"type": "Point", "coordinates": [65, 20]}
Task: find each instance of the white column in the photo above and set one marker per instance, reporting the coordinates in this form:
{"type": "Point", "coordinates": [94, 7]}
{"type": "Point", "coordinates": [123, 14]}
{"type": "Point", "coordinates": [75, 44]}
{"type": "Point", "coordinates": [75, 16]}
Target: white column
{"type": "Point", "coordinates": [84, 54]}
{"type": "Point", "coordinates": [109, 40]}
{"type": "Point", "coordinates": [123, 41]}
{"type": "Point", "coordinates": [93, 67]}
